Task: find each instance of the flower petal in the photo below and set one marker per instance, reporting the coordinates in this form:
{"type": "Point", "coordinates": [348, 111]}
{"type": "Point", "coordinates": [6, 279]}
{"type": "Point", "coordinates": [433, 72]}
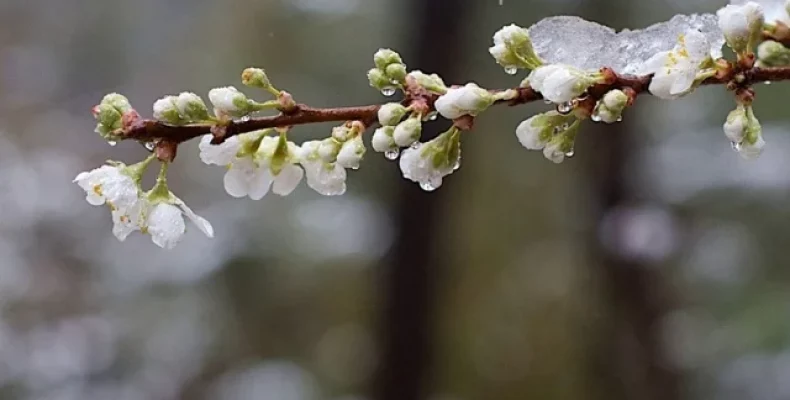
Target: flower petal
{"type": "Point", "coordinates": [287, 180]}
{"type": "Point", "coordinates": [166, 225]}
{"type": "Point", "coordinates": [199, 221]}
{"type": "Point", "coordinates": [259, 183]}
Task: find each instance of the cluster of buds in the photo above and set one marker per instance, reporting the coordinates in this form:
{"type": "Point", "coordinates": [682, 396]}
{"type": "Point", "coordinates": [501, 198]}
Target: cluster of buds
{"type": "Point", "coordinates": [389, 73]}
{"type": "Point", "coordinates": [110, 115]}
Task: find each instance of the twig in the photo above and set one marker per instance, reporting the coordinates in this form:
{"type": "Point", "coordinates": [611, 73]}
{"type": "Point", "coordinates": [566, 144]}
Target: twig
{"type": "Point", "coordinates": [145, 130]}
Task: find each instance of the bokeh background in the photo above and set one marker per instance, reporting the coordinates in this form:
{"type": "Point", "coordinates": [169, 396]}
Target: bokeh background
{"type": "Point", "coordinates": [653, 265]}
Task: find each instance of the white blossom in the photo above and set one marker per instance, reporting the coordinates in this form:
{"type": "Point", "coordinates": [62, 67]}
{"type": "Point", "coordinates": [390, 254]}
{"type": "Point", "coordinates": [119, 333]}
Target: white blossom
{"type": "Point", "coordinates": [164, 221]}
{"type": "Point", "coordinates": [221, 154]}
{"type": "Point", "coordinates": [465, 100]}
{"type": "Point", "coordinates": [774, 10]}
{"type": "Point", "coordinates": [741, 25]}
{"type": "Point", "coordinates": [351, 153]}
{"type": "Point", "coordinates": [428, 163]}
{"type": "Point", "coordinates": [407, 132]}
{"type": "Point", "coordinates": [751, 151]}
{"type": "Point", "coordinates": [328, 179]}
{"type": "Point", "coordinates": [109, 185]}
{"type": "Point", "coordinates": [229, 101]}
{"type": "Point", "coordinates": [676, 70]}
{"type": "Point", "coordinates": [560, 83]}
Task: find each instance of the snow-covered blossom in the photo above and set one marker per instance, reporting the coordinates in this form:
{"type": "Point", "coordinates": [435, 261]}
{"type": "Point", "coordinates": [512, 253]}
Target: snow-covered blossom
{"type": "Point", "coordinates": [113, 185]}
{"type": "Point", "coordinates": [407, 132]}
{"type": "Point", "coordinates": [390, 114]}
{"type": "Point", "coordinates": [161, 215]}
{"type": "Point", "coordinates": [229, 101]}
{"type": "Point", "coordinates": [675, 71]}
{"type": "Point", "coordinates": [741, 25]}
{"type": "Point", "coordinates": [774, 10]}
{"type": "Point", "coordinates": [428, 163]}
{"type": "Point", "coordinates": [535, 132]}
{"type": "Point", "coordinates": [465, 100]}
{"type": "Point", "coordinates": [513, 48]}
{"type": "Point", "coordinates": [191, 107]}
{"type": "Point", "coordinates": [256, 163]}
{"type": "Point", "coordinates": [328, 179]}
{"type": "Point", "coordinates": [561, 83]}
{"type": "Point", "coordinates": [745, 132]}
{"type": "Point", "coordinates": [165, 110]}
{"type": "Point", "coordinates": [382, 140]}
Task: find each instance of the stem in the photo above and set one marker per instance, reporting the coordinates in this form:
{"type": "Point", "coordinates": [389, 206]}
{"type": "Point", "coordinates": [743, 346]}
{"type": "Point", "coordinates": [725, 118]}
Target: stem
{"type": "Point", "coordinates": [151, 130]}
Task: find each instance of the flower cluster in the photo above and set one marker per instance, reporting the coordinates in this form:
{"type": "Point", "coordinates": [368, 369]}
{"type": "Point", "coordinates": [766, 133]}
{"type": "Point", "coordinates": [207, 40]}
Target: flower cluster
{"type": "Point", "coordinates": [258, 161]}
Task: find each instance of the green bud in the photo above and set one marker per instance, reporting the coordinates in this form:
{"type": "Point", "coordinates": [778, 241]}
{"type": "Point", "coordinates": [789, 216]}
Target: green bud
{"type": "Point", "coordinates": [378, 79]}
{"type": "Point", "coordinates": [117, 101]}
{"type": "Point", "coordinates": [255, 77]}
{"type": "Point", "coordinates": [773, 54]}
{"type": "Point", "coordinates": [385, 57]}
{"type": "Point", "coordinates": [396, 72]}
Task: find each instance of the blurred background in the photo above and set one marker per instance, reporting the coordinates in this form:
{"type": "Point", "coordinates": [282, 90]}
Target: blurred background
{"type": "Point", "coordinates": [650, 266]}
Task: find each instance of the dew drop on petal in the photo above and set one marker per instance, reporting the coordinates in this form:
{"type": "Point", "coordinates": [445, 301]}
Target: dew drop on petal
{"type": "Point", "coordinates": [596, 118]}
{"type": "Point", "coordinates": [415, 145]}
{"type": "Point", "coordinates": [244, 118]}
{"type": "Point", "coordinates": [620, 119]}
{"type": "Point", "coordinates": [149, 146]}
{"type": "Point", "coordinates": [511, 70]}
{"type": "Point", "coordinates": [112, 142]}
{"type": "Point", "coordinates": [767, 82]}
{"type": "Point", "coordinates": [565, 108]}
{"type": "Point", "coordinates": [432, 116]}
{"type": "Point", "coordinates": [388, 91]}
{"type": "Point", "coordinates": [392, 154]}
{"type": "Point", "coordinates": [427, 186]}
{"type": "Point", "coordinates": [547, 101]}
{"type": "Point", "coordinates": [570, 154]}
{"type": "Point", "coordinates": [457, 164]}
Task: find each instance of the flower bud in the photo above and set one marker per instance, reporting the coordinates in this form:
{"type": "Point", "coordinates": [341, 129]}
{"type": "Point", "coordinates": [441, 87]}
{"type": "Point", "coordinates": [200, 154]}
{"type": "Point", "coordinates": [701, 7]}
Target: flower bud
{"type": "Point", "coordinates": [735, 126]}
{"type": "Point", "coordinates": [351, 153]}
{"type": "Point", "coordinates": [431, 82]}
{"type": "Point", "coordinates": [191, 107]}
{"type": "Point", "coordinates": [773, 54]}
{"type": "Point", "coordinates": [255, 77]}
{"type": "Point", "coordinates": [390, 114]}
{"type": "Point", "coordinates": [117, 101]}
{"type": "Point", "coordinates": [407, 132]}
{"type": "Point", "coordinates": [513, 49]}
{"type": "Point", "coordinates": [560, 83]}
{"type": "Point", "coordinates": [465, 100]}
{"type": "Point", "coordinates": [378, 79]}
{"type": "Point", "coordinates": [165, 110]}
{"type": "Point", "coordinates": [396, 72]}
{"type": "Point", "coordinates": [535, 132]}
{"type": "Point", "coordinates": [107, 116]}
{"type": "Point", "coordinates": [741, 25]}
{"type": "Point", "coordinates": [382, 140]}
{"type": "Point", "coordinates": [342, 133]}
{"type": "Point", "coordinates": [386, 57]}
{"type": "Point", "coordinates": [228, 101]}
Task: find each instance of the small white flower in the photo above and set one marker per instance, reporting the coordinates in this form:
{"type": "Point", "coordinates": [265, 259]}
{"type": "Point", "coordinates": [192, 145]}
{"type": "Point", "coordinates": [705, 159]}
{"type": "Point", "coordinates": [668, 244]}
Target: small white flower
{"type": "Point", "coordinates": [222, 154]}
{"type": "Point", "coordinates": [351, 153]}
{"type": "Point", "coordinates": [676, 70]}
{"type": "Point", "coordinates": [466, 100]}
{"type": "Point", "coordinates": [229, 101]}
{"type": "Point", "coordinates": [328, 149]}
{"type": "Point", "coordinates": [164, 221]}
{"type": "Point", "coordinates": [390, 114]}
{"type": "Point", "coordinates": [328, 179]}
{"type": "Point", "coordinates": [560, 83]}
{"type": "Point", "coordinates": [610, 108]}
{"type": "Point", "coordinates": [735, 126]}
{"type": "Point", "coordinates": [382, 140]}
{"type": "Point", "coordinates": [428, 163]}
{"type": "Point", "coordinates": [741, 25]}
{"type": "Point", "coordinates": [513, 48]}
{"type": "Point", "coordinates": [407, 132]}
{"type": "Point", "coordinates": [109, 185]}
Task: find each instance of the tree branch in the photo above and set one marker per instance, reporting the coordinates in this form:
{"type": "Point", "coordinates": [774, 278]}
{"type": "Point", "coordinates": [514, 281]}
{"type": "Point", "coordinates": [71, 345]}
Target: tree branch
{"type": "Point", "coordinates": [146, 130]}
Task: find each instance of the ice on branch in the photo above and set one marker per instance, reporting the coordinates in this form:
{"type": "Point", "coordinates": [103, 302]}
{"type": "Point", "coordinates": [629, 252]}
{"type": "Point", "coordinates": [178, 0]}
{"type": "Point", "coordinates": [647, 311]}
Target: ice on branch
{"type": "Point", "coordinates": [589, 46]}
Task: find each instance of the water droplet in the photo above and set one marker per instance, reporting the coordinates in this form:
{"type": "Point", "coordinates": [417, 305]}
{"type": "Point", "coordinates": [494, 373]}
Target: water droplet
{"type": "Point", "coordinates": [596, 118]}
{"type": "Point", "coordinates": [565, 108]}
{"type": "Point", "coordinates": [427, 186]}
{"type": "Point", "coordinates": [392, 154]}
{"type": "Point", "coordinates": [112, 142]}
{"type": "Point", "coordinates": [547, 101]}
{"type": "Point", "coordinates": [433, 116]}
{"type": "Point", "coordinates": [767, 82]}
{"type": "Point", "coordinates": [620, 119]}
{"type": "Point", "coordinates": [415, 145]}
{"type": "Point", "coordinates": [245, 118]}
{"type": "Point", "coordinates": [457, 164]}
{"type": "Point", "coordinates": [511, 70]}
{"type": "Point", "coordinates": [149, 146]}
{"type": "Point", "coordinates": [570, 153]}
{"type": "Point", "coordinates": [388, 91]}
{"type": "Point", "coordinates": [736, 146]}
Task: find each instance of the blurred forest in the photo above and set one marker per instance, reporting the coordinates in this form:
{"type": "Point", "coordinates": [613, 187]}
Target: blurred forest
{"type": "Point", "coordinates": [649, 266]}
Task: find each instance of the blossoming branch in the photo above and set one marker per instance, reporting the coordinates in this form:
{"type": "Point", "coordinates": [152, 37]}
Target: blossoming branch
{"type": "Point", "coordinates": [587, 71]}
